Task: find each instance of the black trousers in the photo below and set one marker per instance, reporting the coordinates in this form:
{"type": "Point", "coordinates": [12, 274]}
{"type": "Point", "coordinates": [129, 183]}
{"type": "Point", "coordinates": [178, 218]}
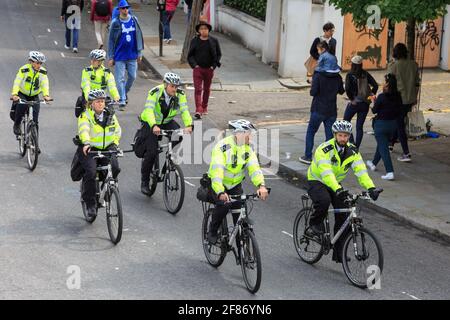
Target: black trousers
{"type": "Point", "coordinates": [221, 210]}
{"type": "Point", "coordinates": [89, 165]}
{"type": "Point", "coordinates": [21, 109]}
{"type": "Point", "coordinates": [322, 197]}
{"type": "Point", "coordinates": [151, 149]}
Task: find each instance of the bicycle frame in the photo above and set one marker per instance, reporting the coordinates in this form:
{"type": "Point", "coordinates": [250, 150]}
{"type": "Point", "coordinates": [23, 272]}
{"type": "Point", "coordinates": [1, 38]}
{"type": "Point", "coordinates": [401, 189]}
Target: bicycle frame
{"type": "Point", "coordinates": [347, 222]}
{"type": "Point", "coordinates": [169, 153]}
{"type": "Point", "coordinates": [238, 226]}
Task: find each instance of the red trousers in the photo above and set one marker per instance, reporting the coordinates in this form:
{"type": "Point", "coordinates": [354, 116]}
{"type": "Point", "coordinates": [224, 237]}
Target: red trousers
{"type": "Point", "coordinates": [202, 84]}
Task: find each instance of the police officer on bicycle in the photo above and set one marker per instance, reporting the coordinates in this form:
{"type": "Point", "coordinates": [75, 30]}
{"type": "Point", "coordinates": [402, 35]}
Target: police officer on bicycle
{"type": "Point", "coordinates": [230, 157]}
{"type": "Point", "coordinates": [164, 102]}
{"type": "Point", "coordinates": [329, 167]}
{"type": "Point", "coordinates": [98, 129]}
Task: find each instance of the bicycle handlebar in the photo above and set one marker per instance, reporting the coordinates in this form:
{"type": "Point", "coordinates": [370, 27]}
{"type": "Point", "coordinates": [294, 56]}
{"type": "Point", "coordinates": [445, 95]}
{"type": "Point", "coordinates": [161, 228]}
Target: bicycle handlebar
{"type": "Point", "coordinates": [30, 103]}
{"type": "Point", "coordinates": [166, 133]}
{"type": "Point", "coordinates": [363, 195]}
{"type": "Point", "coordinates": [247, 196]}
{"type": "Point", "coordinates": [105, 153]}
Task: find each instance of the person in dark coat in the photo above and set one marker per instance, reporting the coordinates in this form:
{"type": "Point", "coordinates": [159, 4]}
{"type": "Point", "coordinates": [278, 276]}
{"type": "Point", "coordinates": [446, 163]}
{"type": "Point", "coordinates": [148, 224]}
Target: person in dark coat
{"type": "Point", "coordinates": [359, 86]}
{"type": "Point", "coordinates": [325, 88]}
{"type": "Point", "coordinates": [204, 57]}
{"type": "Point", "coordinates": [328, 31]}
{"type": "Point", "coordinates": [387, 109]}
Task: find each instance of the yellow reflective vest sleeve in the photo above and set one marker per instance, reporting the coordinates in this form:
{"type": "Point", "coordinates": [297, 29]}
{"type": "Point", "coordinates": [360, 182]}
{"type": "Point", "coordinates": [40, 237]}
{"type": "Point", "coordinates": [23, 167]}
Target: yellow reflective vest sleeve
{"type": "Point", "coordinates": [118, 131]}
{"type": "Point", "coordinates": [360, 171]}
{"type": "Point", "coordinates": [254, 169]}
{"type": "Point", "coordinates": [44, 85]}
{"type": "Point", "coordinates": [112, 86]}
{"type": "Point", "coordinates": [217, 169]}
{"type": "Point", "coordinates": [18, 82]}
{"type": "Point", "coordinates": [85, 83]}
{"type": "Point", "coordinates": [84, 129]}
{"type": "Point", "coordinates": [184, 110]}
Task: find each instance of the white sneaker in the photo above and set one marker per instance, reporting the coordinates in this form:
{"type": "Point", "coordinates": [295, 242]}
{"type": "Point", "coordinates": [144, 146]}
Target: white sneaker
{"type": "Point", "coordinates": [66, 47]}
{"type": "Point", "coordinates": [371, 166]}
{"type": "Point", "coordinates": [388, 176]}
{"type": "Point", "coordinates": [75, 50]}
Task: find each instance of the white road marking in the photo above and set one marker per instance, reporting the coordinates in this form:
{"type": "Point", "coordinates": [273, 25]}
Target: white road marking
{"type": "Point", "coordinates": [117, 268]}
{"type": "Point", "coordinates": [192, 185]}
{"type": "Point", "coordinates": [56, 42]}
{"type": "Point", "coordinates": [198, 178]}
{"type": "Point", "coordinates": [49, 30]}
{"type": "Point", "coordinates": [288, 234]}
{"type": "Point", "coordinates": [62, 55]}
{"type": "Point", "coordinates": [411, 296]}
{"type": "Point", "coordinates": [143, 241]}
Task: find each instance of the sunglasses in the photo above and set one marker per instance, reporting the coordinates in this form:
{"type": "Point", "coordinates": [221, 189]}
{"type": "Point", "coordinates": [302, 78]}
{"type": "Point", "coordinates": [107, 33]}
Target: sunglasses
{"type": "Point", "coordinates": [123, 8]}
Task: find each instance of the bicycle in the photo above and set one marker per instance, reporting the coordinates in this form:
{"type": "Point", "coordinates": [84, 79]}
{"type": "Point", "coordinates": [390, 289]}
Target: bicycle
{"type": "Point", "coordinates": [28, 137]}
{"type": "Point", "coordinates": [171, 174]}
{"type": "Point", "coordinates": [107, 196]}
{"type": "Point", "coordinates": [246, 252]}
{"type": "Point", "coordinates": [360, 240]}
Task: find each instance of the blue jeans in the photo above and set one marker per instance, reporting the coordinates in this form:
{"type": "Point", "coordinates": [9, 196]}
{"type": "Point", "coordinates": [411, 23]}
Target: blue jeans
{"type": "Point", "coordinates": [75, 34]}
{"type": "Point", "coordinates": [361, 109]}
{"type": "Point", "coordinates": [314, 123]}
{"type": "Point", "coordinates": [384, 129]}
{"type": "Point", "coordinates": [124, 85]}
{"type": "Point", "coordinates": [167, 17]}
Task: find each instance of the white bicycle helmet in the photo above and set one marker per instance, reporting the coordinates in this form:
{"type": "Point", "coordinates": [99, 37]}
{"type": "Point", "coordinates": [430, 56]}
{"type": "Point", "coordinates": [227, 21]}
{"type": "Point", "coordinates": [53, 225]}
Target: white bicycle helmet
{"type": "Point", "coordinates": [96, 94]}
{"type": "Point", "coordinates": [36, 56]}
{"type": "Point", "coordinates": [342, 126]}
{"type": "Point", "coordinates": [241, 125]}
{"type": "Point", "coordinates": [97, 54]}
{"type": "Point", "coordinates": [172, 78]}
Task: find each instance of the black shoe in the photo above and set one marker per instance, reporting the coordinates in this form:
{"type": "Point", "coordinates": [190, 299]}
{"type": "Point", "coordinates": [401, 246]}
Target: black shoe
{"type": "Point", "coordinates": [212, 237]}
{"type": "Point", "coordinates": [145, 189]}
{"type": "Point", "coordinates": [314, 231]}
{"type": "Point", "coordinates": [122, 107]}
{"type": "Point", "coordinates": [16, 130]}
{"type": "Point", "coordinates": [305, 160]}
{"type": "Point", "coordinates": [91, 212]}
{"type": "Point", "coordinates": [197, 115]}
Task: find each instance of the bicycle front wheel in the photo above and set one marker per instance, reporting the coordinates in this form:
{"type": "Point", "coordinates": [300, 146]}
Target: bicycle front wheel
{"type": "Point", "coordinates": [308, 249]}
{"type": "Point", "coordinates": [362, 256]}
{"type": "Point", "coordinates": [173, 188]}
{"type": "Point", "coordinates": [114, 217]}
{"type": "Point", "coordinates": [250, 261]}
{"type": "Point", "coordinates": [21, 137]}
{"type": "Point", "coordinates": [32, 147]}
{"type": "Point", "coordinates": [214, 253]}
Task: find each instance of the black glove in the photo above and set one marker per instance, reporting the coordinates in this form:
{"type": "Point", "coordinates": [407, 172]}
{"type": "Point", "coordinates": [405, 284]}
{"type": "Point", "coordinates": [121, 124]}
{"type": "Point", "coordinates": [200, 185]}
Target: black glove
{"type": "Point", "coordinates": [342, 194]}
{"type": "Point", "coordinates": [374, 193]}
{"type": "Point", "coordinates": [112, 147]}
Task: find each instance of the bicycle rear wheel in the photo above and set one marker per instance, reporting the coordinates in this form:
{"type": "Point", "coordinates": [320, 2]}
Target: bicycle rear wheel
{"type": "Point", "coordinates": [32, 147]}
{"type": "Point", "coordinates": [367, 259]}
{"type": "Point", "coordinates": [21, 137]}
{"type": "Point", "coordinates": [84, 207]}
{"type": "Point", "coordinates": [251, 261]}
{"type": "Point", "coordinates": [310, 250]}
{"type": "Point", "coordinates": [173, 188]}
{"type": "Point", "coordinates": [214, 253]}
{"type": "Point", "coordinates": [114, 217]}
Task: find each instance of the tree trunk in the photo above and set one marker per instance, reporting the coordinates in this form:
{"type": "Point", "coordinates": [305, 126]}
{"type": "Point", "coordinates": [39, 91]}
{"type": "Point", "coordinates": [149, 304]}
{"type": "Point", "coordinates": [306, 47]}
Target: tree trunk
{"type": "Point", "coordinates": [411, 37]}
{"type": "Point", "coordinates": [190, 31]}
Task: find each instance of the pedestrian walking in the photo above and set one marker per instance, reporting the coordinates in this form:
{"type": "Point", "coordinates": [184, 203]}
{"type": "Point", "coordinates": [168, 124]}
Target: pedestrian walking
{"type": "Point", "coordinates": [406, 72]}
{"type": "Point", "coordinates": [359, 86]}
{"type": "Point", "coordinates": [125, 50]}
{"type": "Point", "coordinates": [101, 11]}
{"type": "Point", "coordinates": [328, 31]}
{"type": "Point", "coordinates": [387, 108]}
{"type": "Point", "coordinates": [204, 57]}
{"type": "Point", "coordinates": [171, 7]}
{"type": "Point", "coordinates": [325, 88]}
{"type": "Point", "coordinates": [71, 16]}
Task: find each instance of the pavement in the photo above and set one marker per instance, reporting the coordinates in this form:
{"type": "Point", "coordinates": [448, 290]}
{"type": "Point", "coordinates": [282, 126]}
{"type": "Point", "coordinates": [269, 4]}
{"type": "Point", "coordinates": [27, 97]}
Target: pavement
{"type": "Point", "coordinates": [417, 196]}
{"type": "Point", "coordinates": [241, 70]}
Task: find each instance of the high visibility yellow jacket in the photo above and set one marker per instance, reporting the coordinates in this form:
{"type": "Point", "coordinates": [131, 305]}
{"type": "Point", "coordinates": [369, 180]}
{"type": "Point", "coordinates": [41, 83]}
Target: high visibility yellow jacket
{"type": "Point", "coordinates": [152, 113]}
{"type": "Point", "coordinates": [31, 82]}
{"type": "Point", "coordinates": [228, 163]}
{"type": "Point", "coordinates": [93, 134]}
{"type": "Point", "coordinates": [327, 167]}
{"type": "Point", "coordinates": [100, 78]}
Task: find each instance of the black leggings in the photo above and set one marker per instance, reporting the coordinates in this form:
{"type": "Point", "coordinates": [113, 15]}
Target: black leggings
{"type": "Point", "coordinates": [21, 109]}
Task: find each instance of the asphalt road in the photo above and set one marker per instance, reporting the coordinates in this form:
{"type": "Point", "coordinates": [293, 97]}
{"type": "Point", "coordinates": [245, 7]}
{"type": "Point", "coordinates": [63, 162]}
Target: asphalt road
{"type": "Point", "coordinates": [42, 232]}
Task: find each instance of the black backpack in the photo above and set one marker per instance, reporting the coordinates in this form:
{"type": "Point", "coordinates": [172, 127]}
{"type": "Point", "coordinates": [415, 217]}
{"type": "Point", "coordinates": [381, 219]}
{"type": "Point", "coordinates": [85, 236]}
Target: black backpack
{"type": "Point", "coordinates": [102, 8]}
{"type": "Point", "coordinates": [140, 139]}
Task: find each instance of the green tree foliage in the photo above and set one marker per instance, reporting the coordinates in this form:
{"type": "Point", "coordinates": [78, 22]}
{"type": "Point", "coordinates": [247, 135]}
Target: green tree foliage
{"type": "Point", "coordinates": [255, 8]}
{"type": "Point", "coordinates": [409, 11]}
